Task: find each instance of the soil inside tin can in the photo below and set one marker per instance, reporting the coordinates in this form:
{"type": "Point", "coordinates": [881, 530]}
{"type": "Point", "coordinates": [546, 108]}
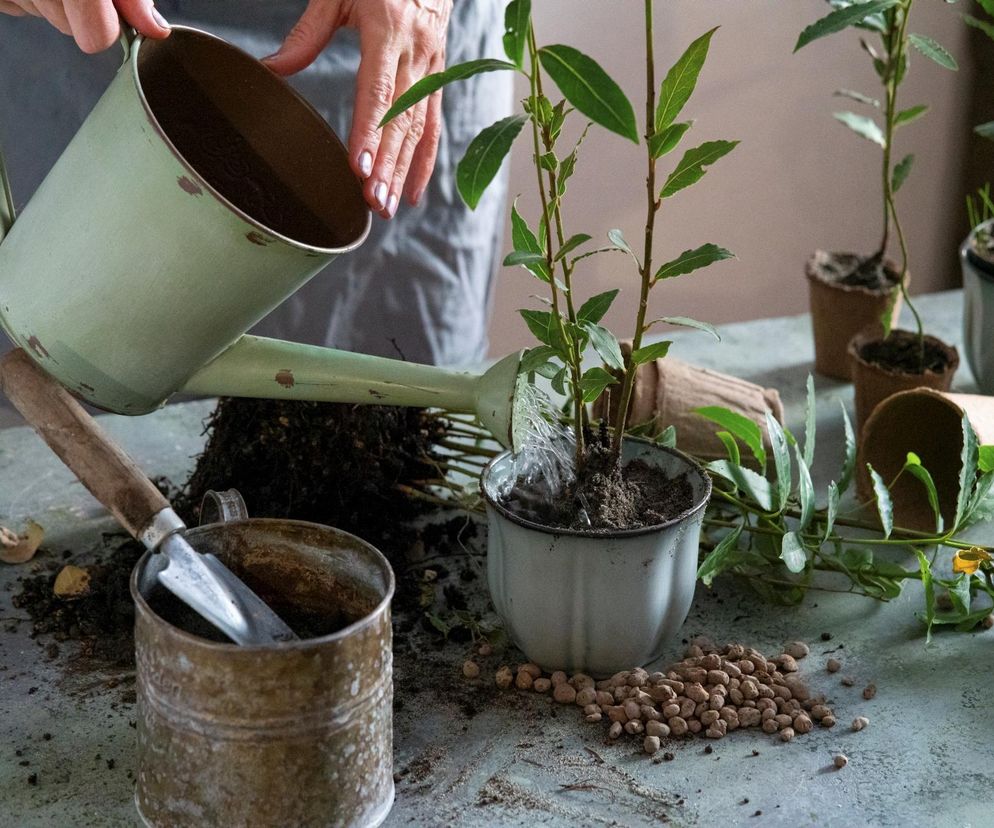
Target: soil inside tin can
{"type": "Point", "coordinates": [900, 352]}
{"type": "Point", "coordinates": [606, 496]}
{"type": "Point", "coordinates": [870, 272]}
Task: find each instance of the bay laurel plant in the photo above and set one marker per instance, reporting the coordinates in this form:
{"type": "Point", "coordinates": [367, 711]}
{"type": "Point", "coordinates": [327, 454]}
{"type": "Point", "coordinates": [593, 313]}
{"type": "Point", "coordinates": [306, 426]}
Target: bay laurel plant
{"type": "Point", "coordinates": [888, 41]}
{"type": "Point", "coordinates": [551, 250]}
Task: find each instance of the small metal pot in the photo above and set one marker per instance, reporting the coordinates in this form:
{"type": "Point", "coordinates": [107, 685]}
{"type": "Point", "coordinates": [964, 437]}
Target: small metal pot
{"type": "Point", "coordinates": [595, 602]}
{"type": "Point", "coordinates": [290, 734]}
{"type": "Point", "coordinates": [978, 312]}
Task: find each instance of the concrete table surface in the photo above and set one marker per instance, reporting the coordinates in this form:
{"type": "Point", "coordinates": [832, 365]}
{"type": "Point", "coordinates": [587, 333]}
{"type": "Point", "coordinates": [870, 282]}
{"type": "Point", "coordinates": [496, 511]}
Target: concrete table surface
{"type": "Point", "coordinates": [466, 754]}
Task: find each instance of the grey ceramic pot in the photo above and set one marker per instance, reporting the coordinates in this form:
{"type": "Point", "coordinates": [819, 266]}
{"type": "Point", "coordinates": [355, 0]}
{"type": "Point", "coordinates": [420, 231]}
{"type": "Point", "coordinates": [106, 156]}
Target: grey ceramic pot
{"type": "Point", "coordinates": [594, 602]}
{"type": "Point", "coordinates": [978, 313]}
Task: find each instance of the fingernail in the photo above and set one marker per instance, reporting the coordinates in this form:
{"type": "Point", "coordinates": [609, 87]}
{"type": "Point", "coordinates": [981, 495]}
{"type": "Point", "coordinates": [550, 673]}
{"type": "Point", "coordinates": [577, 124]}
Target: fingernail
{"type": "Point", "coordinates": [417, 197]}
{"type": "Point", "coordinates": [365, 163]}
{"type": "Point", "coordinates": [392, 205]}
{"type": "Point", "coordinates": [160, 19]}
{"type": "Point", "coordinates": [380, 194]}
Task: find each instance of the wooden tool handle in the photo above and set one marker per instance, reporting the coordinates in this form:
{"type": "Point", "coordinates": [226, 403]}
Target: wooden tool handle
{"type": "Point", "coordinates": [111, 476]}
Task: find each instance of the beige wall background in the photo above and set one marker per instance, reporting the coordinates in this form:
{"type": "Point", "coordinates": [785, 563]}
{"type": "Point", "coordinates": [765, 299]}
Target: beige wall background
{"type": "Point", "coordinates": [798, 181]}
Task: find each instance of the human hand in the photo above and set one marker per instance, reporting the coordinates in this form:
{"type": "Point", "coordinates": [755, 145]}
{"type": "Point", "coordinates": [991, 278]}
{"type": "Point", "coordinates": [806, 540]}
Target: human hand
{"type": "Point", "coordinates": [95, 24]}
{"type": "Point", "coordinates": [400, 42]}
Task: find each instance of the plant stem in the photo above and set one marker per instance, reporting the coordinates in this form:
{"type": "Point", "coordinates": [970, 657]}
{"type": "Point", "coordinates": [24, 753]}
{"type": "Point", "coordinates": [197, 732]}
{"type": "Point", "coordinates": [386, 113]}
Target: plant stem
{"type": "Point", "coordinates": [652, 208]}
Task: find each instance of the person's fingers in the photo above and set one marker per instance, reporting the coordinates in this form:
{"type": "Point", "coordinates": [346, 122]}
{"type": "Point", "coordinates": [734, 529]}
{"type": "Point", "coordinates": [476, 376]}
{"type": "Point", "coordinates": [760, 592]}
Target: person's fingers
{"type": "Point", "coordinates": [307, 38]}
{"type": "Point", "coordinates": [54, 12]}
{"type": "Point", "coordinates": [412, 141]}
{"type": "Point", "coordinates": [423, 163]}
{"type": "Point", "coordinates": [143, 15]}
{"type": "Point", "coordinates": [11, 9]}
{"type": "Point", "coordinates": [94, 24]}
{"type": "Point", "coordinates": [375, 84]}
{"type": "Point", "coordinates": [27, 7]}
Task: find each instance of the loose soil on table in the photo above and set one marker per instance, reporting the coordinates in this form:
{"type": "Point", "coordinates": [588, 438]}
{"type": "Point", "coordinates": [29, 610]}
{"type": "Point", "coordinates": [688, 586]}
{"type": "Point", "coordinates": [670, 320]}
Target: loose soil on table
{"type": "Point", "coordinates": [869, 272]}
{"type": "Point", "coordinates": [328, 463]}
{"type": "Point", "coordinates": [606, 497]}
{"type": "Point", "coordinates": [899, 352]}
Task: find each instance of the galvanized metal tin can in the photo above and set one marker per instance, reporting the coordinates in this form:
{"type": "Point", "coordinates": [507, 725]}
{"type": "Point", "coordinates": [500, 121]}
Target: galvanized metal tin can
{"type": "Point", "coordinates": [294, 734]}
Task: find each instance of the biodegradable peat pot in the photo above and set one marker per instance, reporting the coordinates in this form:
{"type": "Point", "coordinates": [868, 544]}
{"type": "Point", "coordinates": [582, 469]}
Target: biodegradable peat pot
{"type": "Point", "coordinates": [667, 392]}
{"type": "Point", "coordinates": [873, 383]}
{"type": "Point", "coordinates": [596, 602]}
{"type": "Point", "coordinates": [839, 311]}
{"type": "Point", "coordinates": [929, 423]}
{"type": "Point", "coordinates": [978, 309]}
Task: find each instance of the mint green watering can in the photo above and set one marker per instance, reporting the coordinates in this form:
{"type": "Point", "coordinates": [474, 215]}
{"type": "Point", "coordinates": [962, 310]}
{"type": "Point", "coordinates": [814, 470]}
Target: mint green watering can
{"type": "Point", "coordinates": [200, 193]}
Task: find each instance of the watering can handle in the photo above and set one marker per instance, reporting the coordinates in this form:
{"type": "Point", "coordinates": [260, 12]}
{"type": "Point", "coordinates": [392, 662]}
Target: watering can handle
{"type": "Point", "coordinates": [110, 475]}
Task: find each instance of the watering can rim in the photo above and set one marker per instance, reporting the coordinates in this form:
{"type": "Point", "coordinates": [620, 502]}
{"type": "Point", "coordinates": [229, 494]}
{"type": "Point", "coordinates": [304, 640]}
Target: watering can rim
{"type": "Point", "coordinates": [283, 646]}
{"type": "Point", "coordinates": [134, 46]}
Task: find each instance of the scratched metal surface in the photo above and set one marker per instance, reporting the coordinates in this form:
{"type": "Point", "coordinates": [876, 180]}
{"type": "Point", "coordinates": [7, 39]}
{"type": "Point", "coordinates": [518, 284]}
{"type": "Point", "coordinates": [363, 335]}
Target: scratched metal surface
{"type": "Point", "coordinates": [466, 754]}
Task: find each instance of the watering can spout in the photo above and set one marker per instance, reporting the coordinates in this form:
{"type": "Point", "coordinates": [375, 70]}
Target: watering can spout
{"type": "Point", "coordinates": [273, 369]}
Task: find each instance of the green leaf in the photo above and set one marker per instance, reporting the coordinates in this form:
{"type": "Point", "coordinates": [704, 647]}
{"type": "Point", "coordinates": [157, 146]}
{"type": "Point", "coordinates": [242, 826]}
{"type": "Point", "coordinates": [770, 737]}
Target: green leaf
{"type": "Point", "coordinates": [753, 485]}
{"type": "Point", "coordinates": [606, 345]}
{"type": "Point", "coordinates": [568, 167]}
{"type": "Point", "coordinates": [692, 166]}
{"type": "Point", "coordinates": [901, 171]}
{"type": "Point", "coordinates": [933, 51]}
{"type": "Point", "coordinates": [484, 157]}
{"type": "Point", "coordinates": [913, 113]}
{"type": "Point", "coordinates": [559, 382]}
{"type": "Point", "coordinates": [663, 142]}
{"type": "Point", "coordinates": [861, 125]}
{"type": "Point", "coordinates": [792, 553]}
{"type": "Point", "coordinates": [849, 456]}
{"type": "Point", "coordinates": [831, 510]}
{"type": "Point", "coordinates": [810, 422]}
{"type": "Point", "coordinates": [914, 467]}
{"type": "Point", "coordinates": [522, 257]}
{"type": "Point", "coordinates": [548, 161]}
{"type": "Point", "coordinates": [432, 83]}
{"type": "Point", "coordinates": [687, 322]}
{"type": "Point", "coordinates": [885, 507]}
{"type": "Point", "coordinates": [517, 18]}
{"type": "Point", "coordinates": [781, 458]}
{"type": "Point", "coordinates": [926, 572]}
{"type": "Point", "coordinates": [541, 324]}
{"type": "Point", "coordinates": [617, 238]}
{"type": "Point", "coordinates": [667, 437]}
{"type": "Point", "coordinates": [571, 244]}
{"type": "Point", "coordinates": [647, 353]}
{"type": "Point", "coordinates": [536, 358]}
{"type": "Point", "coordinates": [859, 97]}
{"type": "Point", "coordinates": [524, 239]}
{"type": "Point", "coordinates": [590, 89]}
{"type": "Point", "coordinates": [740, 426]}
{"type": "Point", "coordinates": [872, 23]}
{"type": "Point", "coordinates": [969, 457]}
{"type": "Point", "coordinates": [841, 19]}
{"type": "Point", "coordinates": [679, 83]}
{"type": "Point", "coordinates": [805, 490]}
{"type": "Point", "coordinates": [985, 130]}
{"type": "Point", "coordinates": [713, 564]}
{"type": "Point", "coordinates": [730, 446]}
{"type": "Point", "coordinates": [988, 6]}
{"type": "Point", "coordinates": [593, 382]}
{"type": "Point", "coordinates": [985, 454]}
{"type": "Point", "coordinates": [595, 307]}
{"type": "Point", "coordinates": [691, 260]}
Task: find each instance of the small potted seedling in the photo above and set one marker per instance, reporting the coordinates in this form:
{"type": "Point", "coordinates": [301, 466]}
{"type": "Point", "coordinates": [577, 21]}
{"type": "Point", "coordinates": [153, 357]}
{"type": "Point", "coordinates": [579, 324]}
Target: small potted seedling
{"type": "Point", "coordinates": [593, 537]}
{"type": "Point", "coordinates": [882, 360]}
{"type": "Point", "coordinates": [977, 258]}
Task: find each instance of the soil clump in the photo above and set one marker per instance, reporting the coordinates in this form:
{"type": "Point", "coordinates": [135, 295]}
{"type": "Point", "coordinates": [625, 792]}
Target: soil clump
{"type": "Point", "coordinates": [900, 352]}
{"type": "Point", "coordinates": [868, 272]}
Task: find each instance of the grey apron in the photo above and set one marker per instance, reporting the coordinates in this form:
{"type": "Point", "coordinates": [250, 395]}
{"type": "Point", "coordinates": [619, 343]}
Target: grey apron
{"type": "Point", "coordinates": [420, 287]}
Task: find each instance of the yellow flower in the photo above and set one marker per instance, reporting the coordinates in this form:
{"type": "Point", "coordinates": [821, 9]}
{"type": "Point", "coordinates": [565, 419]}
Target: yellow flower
{"type": "Point", "coordinates": [969, 560]}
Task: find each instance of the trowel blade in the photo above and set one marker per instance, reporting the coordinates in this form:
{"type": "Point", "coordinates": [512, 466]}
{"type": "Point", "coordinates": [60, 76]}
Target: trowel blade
{"type": "Point", "coordinates": [211, 589]}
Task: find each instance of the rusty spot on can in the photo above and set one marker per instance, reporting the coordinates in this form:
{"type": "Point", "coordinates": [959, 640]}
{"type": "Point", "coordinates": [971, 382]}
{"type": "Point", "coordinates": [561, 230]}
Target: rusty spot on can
{"type": "Point", "coordinates": [35, 345]}
{"type": "Point", "coordinates": [189, 186]}
{"type": "Point", "coordinates": [285, 378]}
{"type": "Point", "coordinates": [374, 393]}
{"type": "Point", "coordinates": [257, 238]}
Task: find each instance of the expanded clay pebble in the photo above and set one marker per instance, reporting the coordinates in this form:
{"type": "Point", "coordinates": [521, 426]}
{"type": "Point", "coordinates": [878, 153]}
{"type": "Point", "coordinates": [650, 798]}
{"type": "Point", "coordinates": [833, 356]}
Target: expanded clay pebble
{"type": "Point", "coordinates": [485, 649]}
{"type": "Point", "coordinates": [860, 722]}
{"type": "Point", "coordinates": [833, 665]}
{"type": "Point", "coordinates": [869, 691]}
{"type": "Point", "coordinates": [650, 744]}
{"type": "Point", "coordinates": [470, 669]}
{"type": "Point", "coordinates": [841, 760]}
{"type": "Point", "coordinates": [709, 693]}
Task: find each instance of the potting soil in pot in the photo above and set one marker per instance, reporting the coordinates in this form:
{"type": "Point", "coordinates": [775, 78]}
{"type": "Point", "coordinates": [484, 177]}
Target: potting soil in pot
{"type": "Point", "coordinates": [900, 352]}
{"type": "Point", "coordinates": [868, 272]}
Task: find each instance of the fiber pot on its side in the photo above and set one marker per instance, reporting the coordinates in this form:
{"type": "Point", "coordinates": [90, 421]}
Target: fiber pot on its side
{"type": "Point", "coordinates": [596, 602]}
{"type": "Point", "coordinates": [978, 306]}
{"type": "Point", "coordinates": [839, 311]}
{"type": "Point", "coordinates": [874, 382]}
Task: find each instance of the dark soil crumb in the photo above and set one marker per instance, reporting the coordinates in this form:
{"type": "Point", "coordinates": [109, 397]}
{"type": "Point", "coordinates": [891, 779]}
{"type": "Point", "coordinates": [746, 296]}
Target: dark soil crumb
{"type": "Point", "coordinates": [900, 352]}
{"type": "Point", "coordinates": [607, 497]}
{"type": "Point", "coordinates": [826, 636]}
{"type": "Point", "coordinates": [329, 463]}
{"type": "Point", "coordinates": [868, 272]}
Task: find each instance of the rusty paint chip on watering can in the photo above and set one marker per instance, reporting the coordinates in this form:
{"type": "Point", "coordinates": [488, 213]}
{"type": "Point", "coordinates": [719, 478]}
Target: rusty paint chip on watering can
{"type": "Point", "coordinates": [35, 345]}
{"type": "Point", "coordinates": [256, 237]}
{"type": "Point", "coordinates": [190, 186]}
{"type": "Point", "coordinates": [285, 378]}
